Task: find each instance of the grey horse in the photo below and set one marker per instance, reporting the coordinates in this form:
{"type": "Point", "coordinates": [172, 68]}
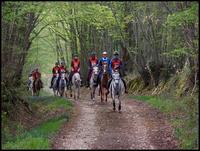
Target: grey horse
{"type": "Point", "coordinates": [76, 83]}
{"type": "Point", "coordinates": [62, 84]}
{"type": "Point", "coordinates": [93, 81]}
{"type": "Point", "coordinates": [54, 86]}
{"type": "Point", "coordinates": [116, 88]}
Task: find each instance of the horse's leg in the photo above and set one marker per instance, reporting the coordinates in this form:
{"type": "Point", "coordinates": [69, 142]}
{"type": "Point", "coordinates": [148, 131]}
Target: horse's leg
{"type": "Point", "coordinates": [66, 93]}
{"type": "Point", "coordinates": [106, 94]}
{"type": "Point", "coordinates": [101, 93]}
{"type": "Point", "coordinates": [94, 92]}
{"type": "Point", "coordinates": [91, 92]}
{"type": "Point", "coordinates": [113, 104]}
{"type": "Point", "coordinates": [99, 90]}
{"type": "Point", "coordinates": [74, 91]}
{"type": "Point", "coordinates": [70, 90]}
{"type": "Point", "coordinates": [119, 108]}
{"type": "Point", "coordinates": [78, 92]}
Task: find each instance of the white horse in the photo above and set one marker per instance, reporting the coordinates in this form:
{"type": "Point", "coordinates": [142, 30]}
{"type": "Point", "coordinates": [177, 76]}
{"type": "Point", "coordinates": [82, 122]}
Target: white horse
{"type": "Point", "coordinates": [76, 83]}
{"type": "Point", "coordinates": [93, 81]}
{"type": "Point", "coordinates": [62, 84]}
{"type": "Point", "coordinates": [54, 86]}
{"type": "Point", "coordinates": [116, 88]}
{"type": "Point", "coordinates": [30, 87]}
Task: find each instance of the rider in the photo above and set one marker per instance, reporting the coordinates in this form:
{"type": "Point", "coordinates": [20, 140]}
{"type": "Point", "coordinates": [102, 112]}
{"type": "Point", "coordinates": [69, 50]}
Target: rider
{"type": "Point", "coordinates": [93, 61]}
{"type": "Point", "coordinates": [37, 75]}
{"type": "Point", "coordinates": [102, 60]}
{"type": "Point", "coordinates": [75, 66]}
{"type": "Point", "coordinates": [116, 63]}
{"type": "Point", "coordinates": [62, 69]}
{"type": "Point", "coordinates": [54, 71]}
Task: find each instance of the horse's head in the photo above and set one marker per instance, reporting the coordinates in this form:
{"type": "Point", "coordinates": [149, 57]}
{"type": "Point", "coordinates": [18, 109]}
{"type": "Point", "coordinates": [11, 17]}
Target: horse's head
{"type": "Point", "coordinates": [105, 67]}
{"type": "Point", "coordinates": [63, 75]}
{"type": "Point", "coordinates": [116, 76]}
{"type": "Point", "coordinates": [95, 72]}
{"type": "Point", "coordinates": [57, 74]}
{"type": "Point", "coordinates": [77, 78]}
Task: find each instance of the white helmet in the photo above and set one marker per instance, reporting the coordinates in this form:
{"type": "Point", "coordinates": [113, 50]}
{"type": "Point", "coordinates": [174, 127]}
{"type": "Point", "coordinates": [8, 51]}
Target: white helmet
{"type": "Point", "coordinates": [104, 53]}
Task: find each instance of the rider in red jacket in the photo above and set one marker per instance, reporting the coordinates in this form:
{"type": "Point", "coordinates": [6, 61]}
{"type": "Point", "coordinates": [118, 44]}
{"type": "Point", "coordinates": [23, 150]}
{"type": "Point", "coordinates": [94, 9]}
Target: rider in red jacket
{"type": "Point", "coordinates": [75, 66]}
{"type": "Point", "coordinates": [116, 63]}
{"type": "Point", "coordinates": [54, 71]}
{"type": "Point", "coordinates": [61, 69]}
{"type": "Point", "coordinates": [37, 75]}
{"type": "Point", "coordinates": [93, 61]}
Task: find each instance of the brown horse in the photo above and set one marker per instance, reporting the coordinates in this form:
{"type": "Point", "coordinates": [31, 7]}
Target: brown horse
{"type": "Point", "coordinates": [37, 85]}
{"type": "Point", "coordinates": [104, 82]}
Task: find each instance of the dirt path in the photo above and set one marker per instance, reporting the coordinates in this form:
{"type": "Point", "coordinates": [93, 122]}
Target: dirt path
{"type": "Point", "coordinates": [95, 126]}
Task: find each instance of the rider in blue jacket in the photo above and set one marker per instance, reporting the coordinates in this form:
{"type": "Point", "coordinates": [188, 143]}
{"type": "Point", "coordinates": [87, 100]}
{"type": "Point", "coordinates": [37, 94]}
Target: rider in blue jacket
{"type": "Point", "coordinates": [101, 61]}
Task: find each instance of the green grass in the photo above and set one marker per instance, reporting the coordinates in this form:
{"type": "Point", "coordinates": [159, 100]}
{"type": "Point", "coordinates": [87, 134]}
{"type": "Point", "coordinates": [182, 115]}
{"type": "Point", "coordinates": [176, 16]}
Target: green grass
{"type": "Point", "coordinates": [38, 137]}
{"type": "Point", "coordinates": [28, 143]}
{"type": "Point", "coordinates": [166, 105]}
{"type": "Point", "coordinates": [59, 103]}
{"type": "Point", "coordinates": [185, 123]}
{"type": "Point", "coordinates": [49, 103]}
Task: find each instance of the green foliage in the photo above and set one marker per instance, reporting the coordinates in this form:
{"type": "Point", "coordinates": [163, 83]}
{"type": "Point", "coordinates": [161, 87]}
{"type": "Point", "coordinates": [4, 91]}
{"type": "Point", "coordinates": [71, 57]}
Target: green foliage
{"type": "Point", "coordinates": [177, 52]}
{"type": "Point", "coordinates": [166, 106]}
{"type": "Point", "coordinates": [181, 18]}
{"type": "Point", "coordinates": [38, 137]}
{"type": "Point", "coordinates": [17, 11]}
{"type": "Point", "coordinates": [59, 103]}
{"type": "Point", "coordinates": [28, 143]}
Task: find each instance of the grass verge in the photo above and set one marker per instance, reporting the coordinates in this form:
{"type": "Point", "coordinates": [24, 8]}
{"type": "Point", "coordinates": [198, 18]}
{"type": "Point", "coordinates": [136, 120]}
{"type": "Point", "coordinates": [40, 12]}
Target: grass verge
{"type": "Point", "coordinates": [38, 137]}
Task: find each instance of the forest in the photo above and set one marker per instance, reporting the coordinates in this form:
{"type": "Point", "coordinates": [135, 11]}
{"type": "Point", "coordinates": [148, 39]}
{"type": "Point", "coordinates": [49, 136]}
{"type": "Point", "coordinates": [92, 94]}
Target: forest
{"type": "Point", "coordinates": [158, 43]}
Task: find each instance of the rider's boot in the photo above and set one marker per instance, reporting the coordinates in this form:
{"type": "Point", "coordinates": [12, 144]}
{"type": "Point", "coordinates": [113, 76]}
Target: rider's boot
{"type": "Point", "coordinates": [87, 85]}
{"type": "Point", "coordinates": [51, 83]}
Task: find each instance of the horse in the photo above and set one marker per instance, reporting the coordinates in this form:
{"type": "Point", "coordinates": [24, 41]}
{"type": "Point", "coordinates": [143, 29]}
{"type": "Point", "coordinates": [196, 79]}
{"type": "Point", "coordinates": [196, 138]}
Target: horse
{"type": "Point", "coordinates": [62, 84]}
{"type": "Point", "coordinates": [93, 81]}
{"type": "Point", "coordinates": [30, 85]}
{"type": "Point", "coordinates": [37, 85]}
{"type": "Point", "coordinates": [104, 82]}
{"type": "Point", "coordinates": [116, 88]}
{"type": "Point", "coordinates": [55, 85]}
{"type": "Point", "coordinates": [76, 83]}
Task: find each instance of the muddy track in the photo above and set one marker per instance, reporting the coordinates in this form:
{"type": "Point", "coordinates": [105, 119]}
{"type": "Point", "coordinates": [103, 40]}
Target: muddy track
{"type": "Point", "coordinates": [95, 126]}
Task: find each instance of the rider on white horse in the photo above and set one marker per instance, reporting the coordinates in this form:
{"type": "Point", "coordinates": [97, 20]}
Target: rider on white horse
{"type": "Point", "coordinates": [93, 61]}
{"type": "Point", "coordinates": [62, 69]}
{"type": "Point", "coordinates": [54, 72]}
{"type": "Point", "coordinates": [116, 63]}
{"type": "Point", "coordinates": [75, 66]}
